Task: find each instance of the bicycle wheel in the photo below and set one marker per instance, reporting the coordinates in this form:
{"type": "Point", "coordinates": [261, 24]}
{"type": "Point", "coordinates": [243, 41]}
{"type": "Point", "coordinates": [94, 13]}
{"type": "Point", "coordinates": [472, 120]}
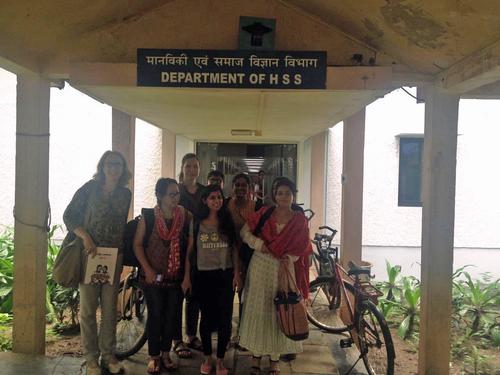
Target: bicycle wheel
{"type": "Point", "coordinates": [132, 316]}
{"type": "Point", "coordinates": [323, 310]}
{"type": "Point", "coordinates": [375, 341]}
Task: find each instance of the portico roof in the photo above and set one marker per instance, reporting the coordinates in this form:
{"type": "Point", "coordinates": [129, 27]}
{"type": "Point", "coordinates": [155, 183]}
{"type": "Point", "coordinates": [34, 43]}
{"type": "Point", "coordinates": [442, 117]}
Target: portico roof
{"type": "Point", "coordinates": [455, 43]}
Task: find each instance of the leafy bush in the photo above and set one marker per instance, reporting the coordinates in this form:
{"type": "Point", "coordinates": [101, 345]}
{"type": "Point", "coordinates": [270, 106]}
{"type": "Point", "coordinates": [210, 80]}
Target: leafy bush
{"type": "Point", "coordinates": [478, 301]}
{"type": "Point", "coordinates": [6, 269]}
{"type": "Point", "coordinates": [59, 301]}
{"type": "Point", "coordinates": [475, 314]}
{"type": "Point", "coordinates": [5, 332]}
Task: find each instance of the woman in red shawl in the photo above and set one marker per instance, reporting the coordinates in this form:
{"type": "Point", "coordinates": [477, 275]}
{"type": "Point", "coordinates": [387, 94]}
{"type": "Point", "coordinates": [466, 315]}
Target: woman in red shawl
{"type": "Point", "coordinates": [284, 238]}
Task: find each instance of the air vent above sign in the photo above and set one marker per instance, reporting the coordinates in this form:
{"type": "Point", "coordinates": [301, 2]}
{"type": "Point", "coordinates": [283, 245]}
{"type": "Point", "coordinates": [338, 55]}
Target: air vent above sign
{"type": "Point", "coordinates": [231, 69]}
{"type": "Point", "coordinates": [257, 33]}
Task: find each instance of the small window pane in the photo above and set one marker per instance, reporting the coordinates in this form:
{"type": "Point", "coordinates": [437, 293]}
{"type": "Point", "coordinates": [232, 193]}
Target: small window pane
{"type": "Point", "coordinates": [410, 171]}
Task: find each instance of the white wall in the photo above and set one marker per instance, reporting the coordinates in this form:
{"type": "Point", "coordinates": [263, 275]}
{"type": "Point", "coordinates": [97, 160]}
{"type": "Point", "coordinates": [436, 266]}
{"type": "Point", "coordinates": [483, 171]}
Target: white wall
{"type": "Point", "coordinates": [304, 172]}
{"type": "Point", "coordinates": [183, 146]}
{"type": "Point", "coordinates": [80, 132]}
{"type": "Point", "coordinates": [7, 146]}
{"type": "Point", "coordinates": [385, 225]}
{"type": "Point", "coordinates": [148, 140]}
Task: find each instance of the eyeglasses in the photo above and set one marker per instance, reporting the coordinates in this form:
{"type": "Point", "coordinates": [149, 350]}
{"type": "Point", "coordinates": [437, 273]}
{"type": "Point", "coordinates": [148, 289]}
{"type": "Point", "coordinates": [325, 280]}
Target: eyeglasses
{"type": "Point", "coordinates": [174, 195]}
{"type": "Point", "coordinates": [113, 164]}
{"type": "Point", "coordinates": [215, 180]}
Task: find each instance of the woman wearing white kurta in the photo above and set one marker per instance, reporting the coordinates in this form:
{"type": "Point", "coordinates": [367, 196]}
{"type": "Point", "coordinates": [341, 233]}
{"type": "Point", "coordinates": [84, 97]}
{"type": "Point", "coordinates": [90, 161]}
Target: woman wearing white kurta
{"type": "Point", "coordinates": [284, 237]}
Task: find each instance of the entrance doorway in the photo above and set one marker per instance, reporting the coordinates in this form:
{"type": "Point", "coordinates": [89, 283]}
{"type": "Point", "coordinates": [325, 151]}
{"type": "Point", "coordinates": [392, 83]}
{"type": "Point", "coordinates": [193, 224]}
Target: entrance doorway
{"type": "Point", "coordinates": [233, 158]}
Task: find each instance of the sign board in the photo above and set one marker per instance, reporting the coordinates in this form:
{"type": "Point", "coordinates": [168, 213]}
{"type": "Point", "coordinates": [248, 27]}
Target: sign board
{"type": "Point", "coordinates": [231, 69]}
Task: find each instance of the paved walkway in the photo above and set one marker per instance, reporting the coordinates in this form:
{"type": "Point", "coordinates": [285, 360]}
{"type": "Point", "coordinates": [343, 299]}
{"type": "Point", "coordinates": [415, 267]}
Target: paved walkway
{"type": "Point", "coordinates": [322, 355]}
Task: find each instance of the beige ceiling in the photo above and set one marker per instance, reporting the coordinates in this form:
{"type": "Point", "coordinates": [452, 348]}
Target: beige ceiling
{"type": "Point", "coordinates": [199, 114]}
{"type": "Point", "coordinates": [420, 40]}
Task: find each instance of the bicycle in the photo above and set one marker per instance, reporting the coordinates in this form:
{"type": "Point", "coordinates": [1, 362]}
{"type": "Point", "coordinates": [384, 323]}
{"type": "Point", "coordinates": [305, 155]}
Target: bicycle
{"type": "Point", "coordinates": [345, 301]}
{"type": "Point", "coordinates": [132, 315]}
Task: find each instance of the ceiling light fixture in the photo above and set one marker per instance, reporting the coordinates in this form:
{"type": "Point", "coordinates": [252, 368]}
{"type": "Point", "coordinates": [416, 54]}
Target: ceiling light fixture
{"type": "Point", "coordinates": [249, 132]}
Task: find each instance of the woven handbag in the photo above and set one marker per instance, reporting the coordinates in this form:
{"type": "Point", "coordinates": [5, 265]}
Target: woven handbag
{"type": "Point", "coordinates": [290, 307]}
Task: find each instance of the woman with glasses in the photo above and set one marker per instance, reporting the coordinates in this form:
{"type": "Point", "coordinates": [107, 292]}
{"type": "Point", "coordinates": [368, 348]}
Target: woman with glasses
{"type": "Point", "coordinates": [97, 214]}
{"type": "Point", "coordinates": [213, 261]}
{"type": "Point", "coordinates": [162, 262]}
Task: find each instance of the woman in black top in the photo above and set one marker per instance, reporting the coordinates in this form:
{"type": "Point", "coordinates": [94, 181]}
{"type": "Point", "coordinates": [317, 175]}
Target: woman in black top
{"type": "Point", "coordinates": [190, 199]}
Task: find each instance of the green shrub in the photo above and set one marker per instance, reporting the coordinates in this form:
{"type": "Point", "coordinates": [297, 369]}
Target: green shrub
{"type": "Point", "coordinates": [59, 301]}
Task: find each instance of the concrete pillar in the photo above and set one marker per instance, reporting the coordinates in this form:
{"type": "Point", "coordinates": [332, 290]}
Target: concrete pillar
{"type": "Point", "coordinates": [31, 214]}
{"type": "Point", "coordinates": [438, 215]}
{"type": "Point", "coordinates": [352, 188]}
{"type": "Point", "coordinates": [318, 179]}
{"type": "Point", "coordinates": [168, 154]}
{"type": "Point", "coordinates": [123, 141]}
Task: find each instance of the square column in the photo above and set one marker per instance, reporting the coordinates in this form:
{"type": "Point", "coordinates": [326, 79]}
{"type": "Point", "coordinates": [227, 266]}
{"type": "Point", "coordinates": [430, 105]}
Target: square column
{"type": "Point", "coordinates": [123, 141]}
{"type": "Point", "coordinates": [318, 179]}
{"type": "Point", "coordinates": [31, 214]}
{"type": "Point", "coordinates": [438, 215]}
{"type": "Point", "coordinates": [352, 188]}
{"type": "Point", "coordinates": [168, 154]}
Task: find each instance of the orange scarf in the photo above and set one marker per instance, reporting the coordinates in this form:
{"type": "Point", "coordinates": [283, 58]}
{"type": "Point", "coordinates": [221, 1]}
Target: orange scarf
{"type": "Point", "coordinates": [172, 235]}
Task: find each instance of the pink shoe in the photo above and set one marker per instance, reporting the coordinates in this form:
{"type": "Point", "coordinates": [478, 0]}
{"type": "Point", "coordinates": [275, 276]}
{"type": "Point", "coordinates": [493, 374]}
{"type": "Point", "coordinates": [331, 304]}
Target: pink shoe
{"type": "Point", "coordinates": [206, 368]}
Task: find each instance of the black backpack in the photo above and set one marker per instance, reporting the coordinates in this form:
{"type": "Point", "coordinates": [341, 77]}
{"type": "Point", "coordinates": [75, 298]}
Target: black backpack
{"type": "Point", "coordinates": [129, 258]}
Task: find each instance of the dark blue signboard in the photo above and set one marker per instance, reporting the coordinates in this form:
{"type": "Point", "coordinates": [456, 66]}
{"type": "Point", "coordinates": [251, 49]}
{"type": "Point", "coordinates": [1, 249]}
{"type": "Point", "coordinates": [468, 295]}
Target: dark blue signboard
{"type": "Point", "coordinates": [231, 69]}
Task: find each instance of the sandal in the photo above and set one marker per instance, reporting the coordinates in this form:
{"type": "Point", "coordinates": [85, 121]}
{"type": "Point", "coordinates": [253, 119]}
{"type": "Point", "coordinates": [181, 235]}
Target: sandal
{"type": "Point", "coordinates": [206, 368]}
{"type": "Point", "coordinates": [195, 344]}
{"type": "Point", "coordinates": [167, 362]}
{"type": "Point", "coordinates": [276, 370]}
{"type": "Point", "coordinates": [154, 366]}
{"type": "Point", "coordinates": [182, 350]}
{"type": "Point", "coordinates": [255, 369]}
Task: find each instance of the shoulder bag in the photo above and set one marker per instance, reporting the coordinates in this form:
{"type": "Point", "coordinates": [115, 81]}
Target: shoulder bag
{"type": "Point", "coordinates": [290, 307]}
{"type": "Point", "coordinates": [69, 264]}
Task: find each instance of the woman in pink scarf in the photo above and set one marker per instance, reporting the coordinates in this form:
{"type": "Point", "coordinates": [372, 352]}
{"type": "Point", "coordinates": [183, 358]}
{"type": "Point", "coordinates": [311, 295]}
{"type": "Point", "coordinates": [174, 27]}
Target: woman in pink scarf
{"type": "Point", "coordinates": [162, 260]}
{"type": "Point", "coordinates": [283, 238]}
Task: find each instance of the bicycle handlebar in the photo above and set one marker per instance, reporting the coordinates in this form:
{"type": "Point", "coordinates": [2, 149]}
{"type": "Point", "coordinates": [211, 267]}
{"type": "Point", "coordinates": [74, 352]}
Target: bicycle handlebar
{"type": "Point", "coordinates": [328, 228]}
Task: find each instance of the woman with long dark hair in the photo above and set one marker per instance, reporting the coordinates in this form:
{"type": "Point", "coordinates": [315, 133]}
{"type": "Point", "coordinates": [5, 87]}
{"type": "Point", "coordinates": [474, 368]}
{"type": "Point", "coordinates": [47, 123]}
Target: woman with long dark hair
{"type": "Point", "coordinates": [213, 261]}
{"type": "Point", "coordinates": [98, 214]}
{"type": "Point", "coordinates": [162, 262]}
{"type": "Point", "coordinates": [284, 238]}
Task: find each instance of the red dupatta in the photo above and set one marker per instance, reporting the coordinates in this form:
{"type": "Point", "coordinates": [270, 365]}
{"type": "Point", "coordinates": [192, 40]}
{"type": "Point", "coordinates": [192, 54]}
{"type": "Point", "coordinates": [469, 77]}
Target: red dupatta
{"type": "Point", "coordinates": [292, 240]}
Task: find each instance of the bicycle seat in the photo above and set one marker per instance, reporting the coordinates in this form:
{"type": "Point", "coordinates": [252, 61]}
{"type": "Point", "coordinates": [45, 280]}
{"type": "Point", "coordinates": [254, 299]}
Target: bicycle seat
{"type": "Point", "coordinates": [356, 270]}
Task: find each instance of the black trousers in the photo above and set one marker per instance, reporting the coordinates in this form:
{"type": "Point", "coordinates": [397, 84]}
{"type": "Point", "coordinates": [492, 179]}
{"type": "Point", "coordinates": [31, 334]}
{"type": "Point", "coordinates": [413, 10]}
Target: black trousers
{"type": "Point", "coordinates": [215, 294]}
{"type": "Point", "coordinates": [164, 310]}
{"type": "Point", "coordinates": [192, 311]}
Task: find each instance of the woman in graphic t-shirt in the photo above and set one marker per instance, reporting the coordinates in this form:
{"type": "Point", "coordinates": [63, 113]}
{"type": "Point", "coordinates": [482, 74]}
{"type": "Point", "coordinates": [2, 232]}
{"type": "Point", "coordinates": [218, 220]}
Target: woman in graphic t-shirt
{"type": "Point", "coordinates": [213, 261]}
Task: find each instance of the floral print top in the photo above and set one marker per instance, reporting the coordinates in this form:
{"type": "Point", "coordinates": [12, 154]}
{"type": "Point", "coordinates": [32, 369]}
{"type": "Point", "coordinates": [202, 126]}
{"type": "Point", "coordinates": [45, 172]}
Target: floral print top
{"type": "Point", "coordinates": [107, 214]}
